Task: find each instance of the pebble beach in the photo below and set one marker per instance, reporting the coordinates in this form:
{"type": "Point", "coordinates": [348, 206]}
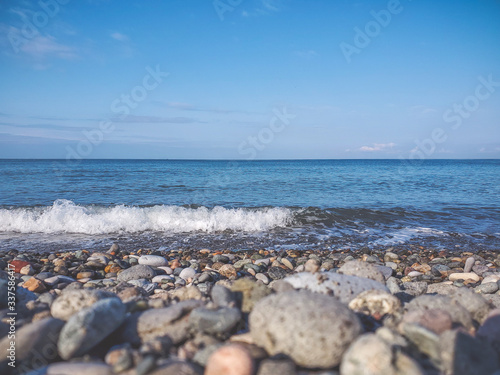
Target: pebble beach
{"type": "Point", "coordinates": [399, 310]}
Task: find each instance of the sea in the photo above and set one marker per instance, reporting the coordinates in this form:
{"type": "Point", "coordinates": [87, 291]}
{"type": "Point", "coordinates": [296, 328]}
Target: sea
{"type": "Point", "coordinates": [59, 205]}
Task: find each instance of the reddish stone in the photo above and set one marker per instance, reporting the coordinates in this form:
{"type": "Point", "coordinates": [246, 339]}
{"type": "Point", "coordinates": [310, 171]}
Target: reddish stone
{"type": "Point", "coordinates": [18, 264]}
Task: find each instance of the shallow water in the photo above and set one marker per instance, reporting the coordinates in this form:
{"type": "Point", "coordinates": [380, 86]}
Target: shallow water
{"type": "Point", "coordinates": [47, 204]}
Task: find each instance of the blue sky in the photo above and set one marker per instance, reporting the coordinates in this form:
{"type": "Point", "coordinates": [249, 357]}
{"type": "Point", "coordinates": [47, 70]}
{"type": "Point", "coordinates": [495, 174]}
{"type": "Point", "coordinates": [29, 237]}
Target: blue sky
{"type": "Point", "coordinates": [249, 79]}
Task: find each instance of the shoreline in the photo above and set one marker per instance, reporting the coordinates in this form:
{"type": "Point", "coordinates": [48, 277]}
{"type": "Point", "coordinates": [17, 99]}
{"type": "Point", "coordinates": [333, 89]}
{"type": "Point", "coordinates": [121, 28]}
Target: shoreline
{"type": "Point", "coordinates": [162, 312]}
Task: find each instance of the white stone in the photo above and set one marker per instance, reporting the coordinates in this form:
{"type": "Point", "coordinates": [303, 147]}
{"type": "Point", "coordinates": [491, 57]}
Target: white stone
{"type": "Point", "coordinates": [153, 260]}
{"type": "Point", "coordinates": [463, 276]}
{"type": "Point", "coordinates": [187, 273]}
{"type": "Point", "coordinates": [160, 278]}
{"type": "Point", "coordinates": [491, 279]}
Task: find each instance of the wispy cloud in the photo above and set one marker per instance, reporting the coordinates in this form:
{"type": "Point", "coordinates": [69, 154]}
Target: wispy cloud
{"type": "Point", "coordinates": [120, 37]}
{"type": "Point", "coordinates": [263, 8]}
{"type": "Point", "coordinates": [377, 147]}
{"type": "Point", "coordinates": [156, 120]}
{"type": "Point", "coordinates": [193, 108]}
{"type": "Point", "coordinates": [422, 110]}
{"type": "Point", "coordinates": [40, 47]}
{"type": "Point", "coordinates": [271, 5]}
{"type": "Point", "coordinates": [45, 126]}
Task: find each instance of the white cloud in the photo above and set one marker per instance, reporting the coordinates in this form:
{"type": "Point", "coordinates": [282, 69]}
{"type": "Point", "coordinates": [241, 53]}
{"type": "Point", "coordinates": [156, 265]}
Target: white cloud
{"type": "Point", "coordinates": [119, 36]}
{"type": "Point", "coordinates": [307, 54]}
{"type": "Point", "coordinates": [377, 147]}
{"type": "Point", "coordinates": [41, 47]}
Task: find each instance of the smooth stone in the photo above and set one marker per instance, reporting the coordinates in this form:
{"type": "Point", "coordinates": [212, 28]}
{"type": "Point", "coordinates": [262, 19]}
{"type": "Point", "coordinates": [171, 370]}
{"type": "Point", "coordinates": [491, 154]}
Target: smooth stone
{"type": "Point", "coordinates": [439, 269]}
{"type": "Point", "coordinates": [390, 256]}
{"type": "Point", "coordinates": [27, 270]}
{"type": "Point", "coordinates": [222, 296]}
{"type": "Point", "coordinates": [277, 366]}
{"type": "Point", "coordinates": [394, 285]}
{"type": "Point", "coordinates": [344, 287]}
{"type": "Point", "coordinates": [287, 263]}
{"type": "Point", "coordinates": [312, 329]}
{"type": "Point", "coordinates": [463, 354]}
{"type": "Point", "coordinates": [161, 278]}
{"type": "Point", "coordinates": [362, 269]}
{"type": "Point", "coordinates": [262, 277]}
{"type": "Point", "coordinates": [90, 326]}
{"type": "Point", "coordinates": [187, 273]}
{"type": "Point", "coordinates": [75, 368]}
{"type": "Point", "coordinates": [393, 266]}
{"type": "Point", "coordinates": [240, 263]}
{"type": "Point", "coordinates": [168, 270]}
{"type": "Point", "coordinates": [44, 275]}
{"type": "Point", "coordinates": [371, 355]}
{"type": "Point", "coordinates": [376, 303]}
{"type": "Point", "coordinates": [386, 271]}
{"type": "Point", "coordinates": [220, 258]}
{"type": "Point", "coordinates": [140, 271]}
{"type": "Point", "coordinates": [264, 261]}
{"type": "Point", "coordinates": [36, 343]}
{"type": "Point", "coordinates": [468, 264]}
{"type": "Point", "coordinates": [232, 359]}
{"type": "Point", "coordinates": [153, 260]}
{"type": "Point", "coordinates": [487, 288]}
{"type": "Point", "coordinates": [464, 276]}
{"type": "Point", "coordinates": [491, 279]}
{"type": "Point", "coordinates": [54, 280]}
{"type": "Point", "coordinates": [177, 368]}
{"type": "Point", "coordinates": [415, 274]}
{"type": "Point", "coordinates": [144, 326]}
{"type": "Point", "coordinates": [204, 277]}
{"type": "Point", "coordinates": [114, 248]}
{"type": "Point", "coordinates": [214, 322]}
{"type": "Point", "coordinates": [72, 301]}
{"type": "Point", "coordinates": [457, 312]}
{"type": "Point", "coordinates": [312, 265]}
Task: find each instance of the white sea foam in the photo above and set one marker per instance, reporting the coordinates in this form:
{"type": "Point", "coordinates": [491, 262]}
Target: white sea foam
{"type": "Point", "coordinates": [66, 217]}
{"type": "Point", "coordinates": [403, 235]}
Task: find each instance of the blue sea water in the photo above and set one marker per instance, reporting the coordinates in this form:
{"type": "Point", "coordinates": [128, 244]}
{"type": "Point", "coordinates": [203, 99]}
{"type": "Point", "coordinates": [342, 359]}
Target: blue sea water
{"type": "Point", "coordinates": [318, 204]}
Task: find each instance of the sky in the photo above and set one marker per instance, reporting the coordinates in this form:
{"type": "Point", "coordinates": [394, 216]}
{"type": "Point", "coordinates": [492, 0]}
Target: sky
{"type": "Point", "coordinates": [249, 79]}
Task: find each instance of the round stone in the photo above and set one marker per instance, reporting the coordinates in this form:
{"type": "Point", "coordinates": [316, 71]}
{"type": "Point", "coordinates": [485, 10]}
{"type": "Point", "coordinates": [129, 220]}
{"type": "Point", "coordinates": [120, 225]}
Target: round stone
{"type": "Point", "coordinates": [231, 359]}
{"type": "Point", "coordinates": [153, 260]}
{"type": "Point", "coordinates": [140, 271]}
{"type": "Point", "coordinates": [187, 273]}
{"type": "Point", "coordinates": [312, 329]}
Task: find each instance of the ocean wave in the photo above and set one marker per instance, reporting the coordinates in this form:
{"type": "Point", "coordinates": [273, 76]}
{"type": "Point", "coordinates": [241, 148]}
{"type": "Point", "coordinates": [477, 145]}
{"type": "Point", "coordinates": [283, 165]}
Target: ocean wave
{"type": "Point", "coordinates": [67, 217]}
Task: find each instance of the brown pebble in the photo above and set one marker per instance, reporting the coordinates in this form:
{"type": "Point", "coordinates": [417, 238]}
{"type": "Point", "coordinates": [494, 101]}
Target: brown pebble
{"type": "Point", "coordinates": [312, 265]}
{"type": "Point", "coordinates": [35, 285]}
{"type": "Point", "coordinates": [228, 270]}
{"type": "Point", "coordinates": [232, 359]}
